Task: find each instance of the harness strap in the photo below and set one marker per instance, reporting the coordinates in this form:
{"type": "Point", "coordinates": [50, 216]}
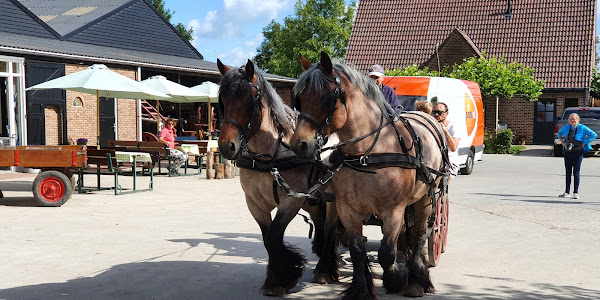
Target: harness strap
{"type": "Point", "coordinates": [282, 164]}
{"type": "Point", "coordinates": [402, 160]}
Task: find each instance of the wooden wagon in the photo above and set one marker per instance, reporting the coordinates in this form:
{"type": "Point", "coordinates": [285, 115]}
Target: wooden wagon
{"type": "Point", "coordinates": [53, 185]}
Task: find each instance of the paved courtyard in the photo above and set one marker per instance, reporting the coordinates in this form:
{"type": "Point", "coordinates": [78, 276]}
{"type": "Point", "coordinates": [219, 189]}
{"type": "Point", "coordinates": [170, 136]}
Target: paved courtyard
{"type": "Point", "coordinates": [192, 238]}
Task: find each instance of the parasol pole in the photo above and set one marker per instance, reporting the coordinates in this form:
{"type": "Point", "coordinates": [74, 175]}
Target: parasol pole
{"type": "Point", "coordinates": [158, 117]}
{"type": "Point", "coordinates": [98, 119]}
{"type": "Point", "coordinates": [209, 120]}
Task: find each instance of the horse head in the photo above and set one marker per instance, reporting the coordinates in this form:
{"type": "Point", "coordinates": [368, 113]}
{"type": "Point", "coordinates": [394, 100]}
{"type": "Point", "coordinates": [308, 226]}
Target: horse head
{"type": "Point", "coordinates": [240, 105]}
{"type": "Point", "coordinates": [320, 97]}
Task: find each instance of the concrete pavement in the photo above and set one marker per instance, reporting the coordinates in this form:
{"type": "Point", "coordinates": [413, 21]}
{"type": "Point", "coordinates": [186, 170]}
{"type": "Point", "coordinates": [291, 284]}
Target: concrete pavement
{"type": "Point", "coordinates": [193, 238]}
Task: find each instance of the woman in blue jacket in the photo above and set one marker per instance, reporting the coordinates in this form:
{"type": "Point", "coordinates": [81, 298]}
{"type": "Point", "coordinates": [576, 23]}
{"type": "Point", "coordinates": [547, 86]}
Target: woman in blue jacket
{"type": "Point", "coordinates": [575, 139]}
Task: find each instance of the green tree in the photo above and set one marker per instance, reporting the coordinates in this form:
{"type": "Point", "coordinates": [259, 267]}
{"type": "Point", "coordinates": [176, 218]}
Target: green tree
{"type": "Point", "coordinates": [495, 77]}
{"type": "Point", "coordinates": [413, 70]}
{"type": "Point", "coordinates": [595, 84]}
{"type": "Point", "coordinates": [167, 13]}
{"type": "Point", "coordinates": [315, 26]}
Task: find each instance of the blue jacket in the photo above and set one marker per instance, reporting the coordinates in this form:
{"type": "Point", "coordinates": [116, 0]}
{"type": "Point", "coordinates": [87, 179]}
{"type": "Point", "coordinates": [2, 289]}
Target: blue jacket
{"type": "Point", "coordinates": [582, 134]}
{"type": "Point", "coordinates": [390, 97]}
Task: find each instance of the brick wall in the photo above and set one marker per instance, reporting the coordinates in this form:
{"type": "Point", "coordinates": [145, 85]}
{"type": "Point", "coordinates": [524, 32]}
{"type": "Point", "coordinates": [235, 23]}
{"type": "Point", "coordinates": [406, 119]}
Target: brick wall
{"type": "Point", "coordinates": [518, 113]}
{"type": "Point", "coordinates": [454, 51]}
{"type": "Point", "coordinates": [82, 121]}
{"type": "Point", "coordinates": [53, 125]}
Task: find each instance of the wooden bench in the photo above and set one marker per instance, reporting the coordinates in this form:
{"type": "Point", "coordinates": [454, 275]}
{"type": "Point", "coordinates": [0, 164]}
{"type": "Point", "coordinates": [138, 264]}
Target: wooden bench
{"type": "Point", "coordinates": [104, 161]}
{"type": "Point", "coordinates": [158, 151]}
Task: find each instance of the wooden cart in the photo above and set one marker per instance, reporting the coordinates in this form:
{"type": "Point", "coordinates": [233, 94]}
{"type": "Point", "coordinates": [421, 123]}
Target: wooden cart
{"type": "Point", "coordinates": [53, 185]}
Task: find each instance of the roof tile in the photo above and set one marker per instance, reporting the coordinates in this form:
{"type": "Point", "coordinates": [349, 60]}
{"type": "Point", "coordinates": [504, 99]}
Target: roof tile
{"type": "Point", "coordinates": [555, 37]}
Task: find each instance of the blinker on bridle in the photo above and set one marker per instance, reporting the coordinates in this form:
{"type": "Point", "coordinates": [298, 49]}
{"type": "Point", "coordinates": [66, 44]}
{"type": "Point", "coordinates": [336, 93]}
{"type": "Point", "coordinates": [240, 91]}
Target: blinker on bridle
{"type": "Point", "coordinates": [256, 105]}
{"type": "Point", "coordinates": [329, 104]}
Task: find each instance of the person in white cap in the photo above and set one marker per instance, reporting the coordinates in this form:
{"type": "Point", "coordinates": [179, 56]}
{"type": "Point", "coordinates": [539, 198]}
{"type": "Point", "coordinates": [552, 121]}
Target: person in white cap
{"type": "Point", "coordinates": [376, 72]}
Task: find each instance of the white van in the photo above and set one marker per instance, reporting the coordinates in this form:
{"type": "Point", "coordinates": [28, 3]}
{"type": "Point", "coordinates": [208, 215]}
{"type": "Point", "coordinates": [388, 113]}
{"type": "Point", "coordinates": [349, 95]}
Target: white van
{"type": "Point", "coordinates": [465, 108]}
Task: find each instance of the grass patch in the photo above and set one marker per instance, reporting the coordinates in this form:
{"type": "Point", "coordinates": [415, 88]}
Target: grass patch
{"type": "Point", "coordinates": [517, 149]}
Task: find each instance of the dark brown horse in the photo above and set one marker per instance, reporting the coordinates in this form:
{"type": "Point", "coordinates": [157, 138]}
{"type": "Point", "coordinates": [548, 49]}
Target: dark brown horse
{"type": "Point", "coordinates": [255, 130]}
{"type": "Point", "coordinates": [388, 162]}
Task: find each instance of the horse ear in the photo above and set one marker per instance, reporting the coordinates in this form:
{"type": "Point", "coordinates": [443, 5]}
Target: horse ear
{"type": "Point", "coordinates": [250, 70]}
{"type": "Point", "coordinates": [222, 68]}
{"type": "Point", "coordinates": [326, 63]}
{"type": "Point", "coordinates": [305, 63]}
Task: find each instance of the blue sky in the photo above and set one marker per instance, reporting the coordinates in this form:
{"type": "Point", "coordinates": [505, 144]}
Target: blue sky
{"type": "Point", "coordinates": [231, 30]}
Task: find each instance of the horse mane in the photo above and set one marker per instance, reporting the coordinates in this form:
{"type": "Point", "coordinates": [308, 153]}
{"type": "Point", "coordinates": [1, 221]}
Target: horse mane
{"type": "Point", "coordinates": [313, 80]}
{"type": "Point", "coordinates": [235, 84]}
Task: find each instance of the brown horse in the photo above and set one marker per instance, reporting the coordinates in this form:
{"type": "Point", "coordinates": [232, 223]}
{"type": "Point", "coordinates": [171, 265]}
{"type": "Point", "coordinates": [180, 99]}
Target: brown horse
{"type": "Point", "coordinates": [387, 162]}
{"type": "Point", "coordinates": [255, 130]}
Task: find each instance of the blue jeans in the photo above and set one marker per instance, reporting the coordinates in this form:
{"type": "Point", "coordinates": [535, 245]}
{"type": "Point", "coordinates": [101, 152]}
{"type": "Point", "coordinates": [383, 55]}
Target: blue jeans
{"type": "Point", "coordinates": [572, 166]}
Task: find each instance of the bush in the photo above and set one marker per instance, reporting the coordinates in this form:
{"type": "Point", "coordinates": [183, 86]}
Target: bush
{"type": "Point", "coordinates": [500, 143]}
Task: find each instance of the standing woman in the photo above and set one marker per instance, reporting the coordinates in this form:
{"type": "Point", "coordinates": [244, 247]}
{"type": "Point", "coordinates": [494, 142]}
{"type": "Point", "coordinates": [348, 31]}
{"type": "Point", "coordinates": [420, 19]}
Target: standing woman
{"type": "Point", "coordinates": [575, 139]}
{"type": "Point", "coordinates": [167, 137]}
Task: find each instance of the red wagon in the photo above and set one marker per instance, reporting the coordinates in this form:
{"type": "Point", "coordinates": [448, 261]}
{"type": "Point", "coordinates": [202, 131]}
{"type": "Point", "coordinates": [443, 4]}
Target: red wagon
{"type": "Point", "coordinates": [53, 185]}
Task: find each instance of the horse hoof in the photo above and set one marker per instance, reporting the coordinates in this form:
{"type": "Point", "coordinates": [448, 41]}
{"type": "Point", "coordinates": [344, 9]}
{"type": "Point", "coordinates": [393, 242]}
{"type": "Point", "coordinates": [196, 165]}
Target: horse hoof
{"type": "Point", "coordinates": [319, 278]}
{"type": "Point", "coordinates": [413, 290]}
{"type": "Point", "coordinates": [275, 292]}
{"type": "Point", "coordinates": [323, 278]}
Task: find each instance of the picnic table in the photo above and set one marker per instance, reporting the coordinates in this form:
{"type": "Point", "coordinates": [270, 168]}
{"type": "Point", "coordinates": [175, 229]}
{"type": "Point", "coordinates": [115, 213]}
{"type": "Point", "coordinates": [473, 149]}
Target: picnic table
{"type": "Point", "coordinates": [132, 157]}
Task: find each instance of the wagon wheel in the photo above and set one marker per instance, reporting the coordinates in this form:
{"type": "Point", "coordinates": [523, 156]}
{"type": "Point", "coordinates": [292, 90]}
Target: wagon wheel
{"type": "Point", "coordinates": [52, 188]}
{"type": "Point", "coordinates": [434, 242]}
{"type": "Point", "coordinates": [444, 225]}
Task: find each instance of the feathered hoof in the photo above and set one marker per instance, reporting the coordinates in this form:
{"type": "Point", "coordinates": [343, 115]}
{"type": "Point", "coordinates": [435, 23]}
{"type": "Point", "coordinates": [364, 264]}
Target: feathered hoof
{"type": "Point", "coordinates": [413, 290]}
{"type": "Point", "coordinates": [323, 278]}
{"type": "Point", "coordinates": [275, 291]}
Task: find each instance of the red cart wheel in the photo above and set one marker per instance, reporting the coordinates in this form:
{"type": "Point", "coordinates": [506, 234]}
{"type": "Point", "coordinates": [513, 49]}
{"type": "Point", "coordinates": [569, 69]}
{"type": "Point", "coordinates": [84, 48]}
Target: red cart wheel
{"type": "Point", "coordinates": [445, 205]}
{"type": "Point", "coordinates": [52, 188]}
{"type": "Point", "coordinates": [434, 243]}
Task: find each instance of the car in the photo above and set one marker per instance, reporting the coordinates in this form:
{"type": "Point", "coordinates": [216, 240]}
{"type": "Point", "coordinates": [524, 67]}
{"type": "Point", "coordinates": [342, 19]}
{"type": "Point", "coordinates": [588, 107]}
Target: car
{"type": "Point", "coordinates": [588, 116]}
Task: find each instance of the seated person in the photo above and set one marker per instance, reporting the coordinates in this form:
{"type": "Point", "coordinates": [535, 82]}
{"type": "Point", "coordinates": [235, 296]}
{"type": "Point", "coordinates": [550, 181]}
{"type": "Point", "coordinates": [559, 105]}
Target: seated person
{"type": "Point", "coordinates": [167, 137]}
{"type": "Point", "coordinates": [424, 106]}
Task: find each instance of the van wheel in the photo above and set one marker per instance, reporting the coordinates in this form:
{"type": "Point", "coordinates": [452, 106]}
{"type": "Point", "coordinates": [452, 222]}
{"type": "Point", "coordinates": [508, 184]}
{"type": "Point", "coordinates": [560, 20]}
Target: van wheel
{"type": "Point", "coordinates": [468, 169]}
{"type": "Point", "coordinates": [558, 150]}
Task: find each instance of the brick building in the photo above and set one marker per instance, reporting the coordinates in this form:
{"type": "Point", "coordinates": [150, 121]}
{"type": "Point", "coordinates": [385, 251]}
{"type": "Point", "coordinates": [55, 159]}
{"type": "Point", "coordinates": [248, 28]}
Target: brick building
{"type": "Point", "coordinates": [43, 40]}
{"type": "Point", "coordinates": [555, 37]}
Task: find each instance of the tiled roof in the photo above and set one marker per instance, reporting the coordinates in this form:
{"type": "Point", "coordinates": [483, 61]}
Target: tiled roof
{"type": "Point", "coordinates": [555, 37]}
{"type": "Point", "coordinates": [66, 16]}
{"type": "Point", "coordinates": [11, 43]}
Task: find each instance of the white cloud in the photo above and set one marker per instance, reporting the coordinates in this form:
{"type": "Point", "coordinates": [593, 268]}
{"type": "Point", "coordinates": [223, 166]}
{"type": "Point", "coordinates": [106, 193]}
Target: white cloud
{"type": "Point", "coordinates": [229, 21]}
{"type": "Point", "coordinates": [239, 55]}
{"type": "Point", "coordinates": [235, 24]}
{"type": "Point", "coordinates": [236, 56]}
{"type": "Point", "coordinates": [256, 9]}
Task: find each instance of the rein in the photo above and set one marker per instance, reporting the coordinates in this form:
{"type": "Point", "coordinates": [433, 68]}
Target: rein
{"type": "Point", "coordinates": [378, 160]}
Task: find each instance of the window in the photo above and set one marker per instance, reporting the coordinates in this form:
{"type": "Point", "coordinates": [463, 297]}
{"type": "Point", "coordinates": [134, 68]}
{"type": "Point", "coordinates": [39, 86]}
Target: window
{"type": "Point", "coordinates": [77, 102]}
{"type": "Point", "coordinates": [571, 102]}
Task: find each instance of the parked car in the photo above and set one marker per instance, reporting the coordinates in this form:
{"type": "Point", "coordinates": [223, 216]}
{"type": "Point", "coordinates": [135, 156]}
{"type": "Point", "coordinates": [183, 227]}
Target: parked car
{"type": "Point", "coordinates": [589, 116]}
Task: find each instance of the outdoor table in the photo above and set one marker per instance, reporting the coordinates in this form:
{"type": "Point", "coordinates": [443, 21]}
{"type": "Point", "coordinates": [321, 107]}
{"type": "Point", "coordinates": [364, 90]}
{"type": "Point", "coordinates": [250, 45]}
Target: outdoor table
{"type": "Point", "coordinates": [190, 148]}
{"type": "Point", "coordinates": [132, 157]}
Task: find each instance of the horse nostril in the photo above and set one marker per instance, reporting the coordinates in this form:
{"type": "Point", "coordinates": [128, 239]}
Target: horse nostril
{"type": "Point", "coordinates": [303, 147]}
{"type": "Point", "coordinates": [231, 147]}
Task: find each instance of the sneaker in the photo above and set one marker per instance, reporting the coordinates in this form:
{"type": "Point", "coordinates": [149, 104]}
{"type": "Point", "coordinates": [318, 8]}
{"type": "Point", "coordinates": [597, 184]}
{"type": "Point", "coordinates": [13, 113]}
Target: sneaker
{"type": "Point", "coordinates": [575, 196]}
{"type": "Point", "coordinates": [565, 195]}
